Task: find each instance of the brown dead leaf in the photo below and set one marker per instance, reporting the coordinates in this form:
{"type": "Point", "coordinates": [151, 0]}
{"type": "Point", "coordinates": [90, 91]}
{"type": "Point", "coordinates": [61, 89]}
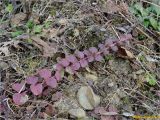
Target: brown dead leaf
{"type": "Point", "coordinates": [17, 18]}
{"type": "Point", "coordinates": [124, 53]}
{"type": "Point", "coordinates": [50, 33]}
{"type": "Point", "coordinates": [111, 7]}
{"type": "Point", "coordinates": [47, 50]}
{"type": "Point", "coordinates": [107, 118]}
{"type": "Point", "coordinates": [30, 109]}
{"type": "Point", "coordinates": [63, 21]}
{"type": "Point", "coordinates": [91, 77]}
{"type": "Point", "coordinates": [124, 7]}
{"type": "Point", "coordinates": [109, 114]}
{"type": "Point", "coordinates": [50, 110]}
{"type": "Point", "coordinates": [57, 96]}
{"type": "Point", "coordinates": [35, 17]}
{"type": "Point", "coordinates": [101, 110]}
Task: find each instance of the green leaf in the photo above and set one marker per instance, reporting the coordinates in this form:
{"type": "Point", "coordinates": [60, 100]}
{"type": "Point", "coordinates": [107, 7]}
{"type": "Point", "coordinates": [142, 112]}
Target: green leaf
{"type": "Point", "coordinates": [140, 8]}
{"type": "Point", "coordinates": [37, 29]}
{"type": "Point", "coordinates": [153, 22]}
{"type": "Point", "coordinates": [159, 26]}
{"type": "Point", "coordinates": [146, 23]}
{"type": "Point", "coordinates": [47, 24]}
{"type": "Point", "coordinates": [30, 24]}
{"type": "Point", "coordinates": [29, 41]}
{"type": "Point", "coordinates": [141, 19]}
{"type": "Point", "coordinates": [149, 9]}
{"type": "Point", "coordinates": [151, 79]}
{"type": "Point", "coordinates": [16, 33]}
{"type": "Point", "coordinates": [156, 9]}
{"type": "Point", "coordinates": [9, 8]}
{"type": "Point", "coordinates": [133, 11]}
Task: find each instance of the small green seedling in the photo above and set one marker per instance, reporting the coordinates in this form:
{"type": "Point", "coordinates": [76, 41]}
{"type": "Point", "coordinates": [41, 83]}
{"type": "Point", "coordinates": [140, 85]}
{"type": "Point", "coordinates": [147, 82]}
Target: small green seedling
{"type": "Point", "coordinates": [47, 24]}
{"type": "Point", "coordinates": [37, 29]}
{"type": "Point", "coordinates": [30, 24]}
{"type": "Point", "coordinates": [16, 33]}
{"type": "Point", "coordinates": [9, 8]}
{"type": "Point", "coordinates": [151, 79]}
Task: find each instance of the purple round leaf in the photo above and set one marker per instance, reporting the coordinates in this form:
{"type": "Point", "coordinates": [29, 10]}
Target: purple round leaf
{"type": "Point", "coordinates": [58, 75]}
{"type": "Point", "coordinates": [71, 58]}
{"type": "Point", "coordinates": [18, 86]}
{"type": "Point", "coordinates": [98, 57]}
{"type": "Point", "coordinates": [45, 73]}
{"type": "Point", "coordinates": [79, 54]}
{"type": "Point", "coordinates": [64, 62]}
{"type": "Point", "coordinates": [105, 51]}
{"type": "Point", "coordinates": [93, 50]}
{"type": "Point", "coordinates": [31, 80]}
{"type": "Point", "coordinates": [101, 46]}
{"type": "Point", "coordinates": [2, 107]}
{"type": "Point", "coordinates": [114, 48]}
{"type": "Point", "coordinates": [20, 98]}
{"type": "Point", "coordinates": [83, 63]}
{"type": "Point", "coordinates": [75, 66]}
{"type": "Point", "coordinates": [125, 37]}
{"type": "Point", "coordinates": [90, 58]}
{"type": "Point", "coordinates": [86, 52]}
{"type": "Point", "coordinates": [109, 42]}
{"type": "Point", "coordinates": [36, 89]}
{"type": "Point", "coordinates": [52, 82]}
{"type": "Point", "coordinates": [59, 67]}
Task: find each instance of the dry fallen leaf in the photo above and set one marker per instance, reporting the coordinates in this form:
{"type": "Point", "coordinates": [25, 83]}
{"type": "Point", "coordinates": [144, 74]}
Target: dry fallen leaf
{"type": "Point", "coordinates": [107, 118]}
{"type": "Point", "coordinates": [17, 18]}
{"type": "Point", "coordinates": [91, 77]}
{"type": "Point", "coordinates": [103, 112]}
{"type": "Point", "coordinates": [62, 119]}
{"type": "Point", "coordinates": [50, 32]}
{"type": "Point", "coordinates": [35, 17]}
{"type": "Point", "coordinates": [111, 7]}
{"type": "Point", "coordinates": [124, 53]}
{"type": "Point", "coordinates": [50, 110]}
{"type": "Point", "coordinates": [124, 7]}
{"type": "Point", "coordinates": [47, 50]}
{"type": "Point", "coordinates": [79, 113]}
{"type": "Point", "coordinates": [87, 98]}
{"type": "Point", "coordinates": [63, 21]}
